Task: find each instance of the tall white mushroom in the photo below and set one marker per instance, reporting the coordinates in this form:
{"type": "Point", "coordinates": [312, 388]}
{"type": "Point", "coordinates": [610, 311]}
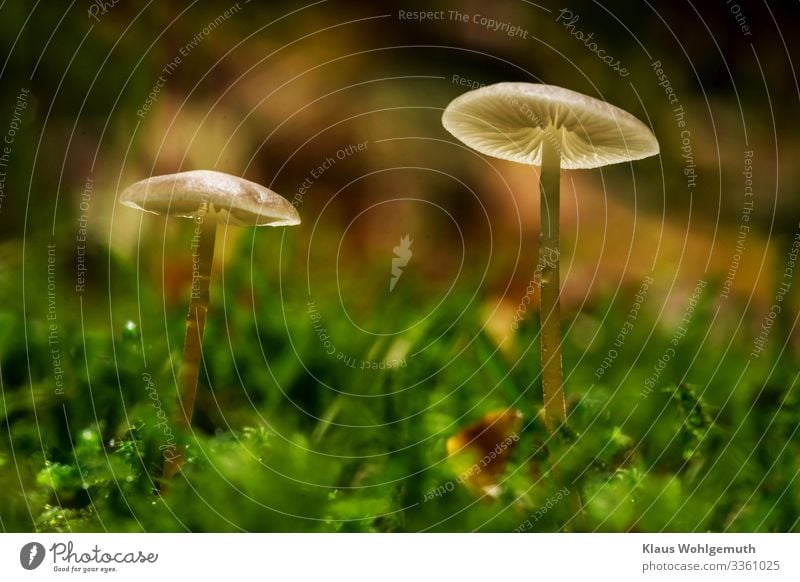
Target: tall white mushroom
{"type": "Point", "coordinates": [554, 128]}
{"type": "Point", "coordinates": [209, 198]}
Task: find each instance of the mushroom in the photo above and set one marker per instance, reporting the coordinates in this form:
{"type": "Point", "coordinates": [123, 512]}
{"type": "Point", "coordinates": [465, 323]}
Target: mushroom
{"type": "Point", "coordinates": [551, 127]}
{"type": "Point", "coordinates": [209, 198]}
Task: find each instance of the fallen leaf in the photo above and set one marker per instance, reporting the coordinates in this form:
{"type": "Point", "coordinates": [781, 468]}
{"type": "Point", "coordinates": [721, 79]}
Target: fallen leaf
{"type": "Point", "coordinates": [479, 452]}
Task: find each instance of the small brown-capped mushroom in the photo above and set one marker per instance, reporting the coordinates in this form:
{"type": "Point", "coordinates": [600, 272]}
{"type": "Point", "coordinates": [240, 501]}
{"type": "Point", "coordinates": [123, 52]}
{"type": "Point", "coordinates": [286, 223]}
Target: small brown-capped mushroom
{"type": "Point", "coordinates": [551, 127]}
{"type": "Point", "coordinates": [209, 198]}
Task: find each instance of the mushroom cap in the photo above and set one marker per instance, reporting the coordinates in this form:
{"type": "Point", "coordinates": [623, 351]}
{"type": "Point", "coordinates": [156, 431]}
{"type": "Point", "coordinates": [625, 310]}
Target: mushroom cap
{"type": "Point", "coordinates": [511, 120]}
{"type": "Point", "coordinates": [236, 200]}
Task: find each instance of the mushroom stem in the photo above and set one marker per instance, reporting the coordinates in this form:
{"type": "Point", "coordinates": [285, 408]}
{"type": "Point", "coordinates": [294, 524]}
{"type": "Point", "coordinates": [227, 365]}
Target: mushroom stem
{"type": "Point", "coordinates": [550, 313]}
{"type": "Point", "coordinates": [202, 259]}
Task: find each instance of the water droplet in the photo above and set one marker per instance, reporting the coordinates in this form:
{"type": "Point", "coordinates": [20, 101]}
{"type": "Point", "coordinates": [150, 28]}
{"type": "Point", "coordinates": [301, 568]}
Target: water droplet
{"type": "Point", "coordinates": [130, 331]}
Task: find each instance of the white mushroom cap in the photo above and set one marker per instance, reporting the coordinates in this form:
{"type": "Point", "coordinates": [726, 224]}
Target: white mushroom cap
{"type": "Point", "coordinates": [238, 201]}
{"type": "Point", "coordinates": [510, 121]}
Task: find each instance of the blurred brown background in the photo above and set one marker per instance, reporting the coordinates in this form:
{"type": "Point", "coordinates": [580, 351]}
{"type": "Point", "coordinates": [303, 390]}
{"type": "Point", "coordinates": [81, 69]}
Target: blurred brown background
{"type": "Point", "coordinates": [271, 90]}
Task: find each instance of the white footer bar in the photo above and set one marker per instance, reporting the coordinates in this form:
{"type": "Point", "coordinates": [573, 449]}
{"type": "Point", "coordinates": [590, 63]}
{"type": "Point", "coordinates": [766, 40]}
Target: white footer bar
{"type": "Point", "coordinates": [401, 557]}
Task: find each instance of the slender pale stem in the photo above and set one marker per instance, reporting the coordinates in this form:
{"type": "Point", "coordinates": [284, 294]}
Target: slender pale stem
{"type": "Point", "coordinates": [549, 255]}
{"type": "Point", "coordinates": [202, 259]}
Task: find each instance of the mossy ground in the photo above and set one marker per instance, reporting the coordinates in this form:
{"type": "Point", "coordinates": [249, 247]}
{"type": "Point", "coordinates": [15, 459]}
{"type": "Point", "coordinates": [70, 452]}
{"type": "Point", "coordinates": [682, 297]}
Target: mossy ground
{"type": "Point", "coordinates": [289, 437]}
